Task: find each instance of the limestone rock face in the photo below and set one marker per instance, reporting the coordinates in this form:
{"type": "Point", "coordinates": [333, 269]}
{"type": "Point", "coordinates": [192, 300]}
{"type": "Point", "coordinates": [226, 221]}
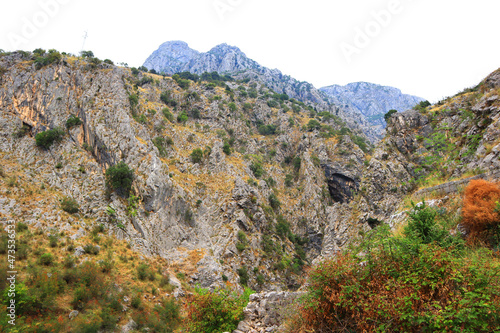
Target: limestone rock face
{"type": "Point", "coordinates": [214, 216]}
{"type": "Point", "coordinates": [267, 194]}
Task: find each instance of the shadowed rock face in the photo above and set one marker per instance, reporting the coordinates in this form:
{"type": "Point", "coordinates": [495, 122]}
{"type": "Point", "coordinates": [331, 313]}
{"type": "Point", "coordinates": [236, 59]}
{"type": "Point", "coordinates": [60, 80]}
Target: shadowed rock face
{"type": "Point", "coordinates": [341, 188]}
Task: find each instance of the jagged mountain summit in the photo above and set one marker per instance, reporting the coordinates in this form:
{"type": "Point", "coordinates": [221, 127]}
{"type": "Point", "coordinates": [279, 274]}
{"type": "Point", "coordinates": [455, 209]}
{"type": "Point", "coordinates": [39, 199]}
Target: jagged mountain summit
{"type": "Point", "coordinates": [372, 100]}
{"type": "Point", "coordinates": [171, 57]}
{"type": "Point", "coordinates": [175, 56]}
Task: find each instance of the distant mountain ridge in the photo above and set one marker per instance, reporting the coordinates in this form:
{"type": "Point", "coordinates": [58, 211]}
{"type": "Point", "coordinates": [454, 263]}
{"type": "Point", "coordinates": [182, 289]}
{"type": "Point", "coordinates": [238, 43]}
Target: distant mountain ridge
{"type": "Point", "coordinates": [176, 56]}
{"type": "Point", "coordinates": [370, 99]}
{"type": "Point", "coordinates": [360, 104]}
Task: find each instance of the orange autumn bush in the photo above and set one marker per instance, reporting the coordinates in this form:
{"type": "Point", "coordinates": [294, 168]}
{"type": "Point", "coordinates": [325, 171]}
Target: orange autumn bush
{"type": "Point", "coordinates": [479, 212]}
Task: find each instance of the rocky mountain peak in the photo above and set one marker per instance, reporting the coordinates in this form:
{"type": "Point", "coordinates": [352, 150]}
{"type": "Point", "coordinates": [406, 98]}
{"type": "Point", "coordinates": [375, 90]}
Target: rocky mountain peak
{"type": "Point", "coordinates": [224, 48]}
{"type": "Point", "coordinates": [171, 57]}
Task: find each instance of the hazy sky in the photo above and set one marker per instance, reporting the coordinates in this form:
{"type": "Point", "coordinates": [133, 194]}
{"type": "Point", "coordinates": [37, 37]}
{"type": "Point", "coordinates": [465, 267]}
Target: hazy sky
{"type": "Point", "coordinates": [432, 49]}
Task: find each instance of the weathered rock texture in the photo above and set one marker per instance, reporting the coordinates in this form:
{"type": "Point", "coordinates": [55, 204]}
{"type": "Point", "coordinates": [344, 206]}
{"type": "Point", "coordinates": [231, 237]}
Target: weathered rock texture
{"type": "Point", "coordinates": [262, 204]}
{"type": "Point", "coordinates": [190, 213]}
{"type": "Point", "coordinates": [266, 312]}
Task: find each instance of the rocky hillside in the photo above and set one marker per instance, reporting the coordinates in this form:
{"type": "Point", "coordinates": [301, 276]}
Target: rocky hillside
{"type": "Point", "coordinates": [371, 100]}
{"type": "Point", "coordinates": [247, 179]}
{"type": "Point", "coordinates": [231, 183]}
{"type": "Point", "coordinates": [176, 56]}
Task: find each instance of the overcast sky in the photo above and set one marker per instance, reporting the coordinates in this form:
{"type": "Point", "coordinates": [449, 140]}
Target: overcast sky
{"type": "Point", "coordinates": [432, 49]}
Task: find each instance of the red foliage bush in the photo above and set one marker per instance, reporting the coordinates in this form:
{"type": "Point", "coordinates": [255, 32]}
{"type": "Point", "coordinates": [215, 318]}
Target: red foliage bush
{"type": "Point", "coordinates": [399, 292]}
{"type": "Point", "coordinates": [479, 213]}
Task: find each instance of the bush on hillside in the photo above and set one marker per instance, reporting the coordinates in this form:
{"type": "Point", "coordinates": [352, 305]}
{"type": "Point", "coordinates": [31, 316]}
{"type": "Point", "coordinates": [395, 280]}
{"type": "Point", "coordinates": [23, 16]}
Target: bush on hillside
{"type": "Point", "coordinates": [214, 312]}
{"type": "Point", "coordinates": [70, 205]}
{"type": "Point", "coordinates": [119, 178]}
{"type": "Point", "coordinates": [46, 138]}
{"type": "Point", "coordinates": [73, 121]}
{"type": "Point", "coordinates": [480, 214]}
{"type": "Point", "coordinates": [397, 286]}
{"type": "Point", "coordinates": [196, 155]}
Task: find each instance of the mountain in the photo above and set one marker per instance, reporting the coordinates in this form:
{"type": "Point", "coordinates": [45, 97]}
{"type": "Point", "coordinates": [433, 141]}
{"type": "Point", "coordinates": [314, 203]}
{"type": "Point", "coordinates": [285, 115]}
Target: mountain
{"type": "Point", "coordinates": [132, 190]}
{"type": "Point", "coordinates": [171, 57]}
{"type": "Point", "coordinates": [175, 56]}
{"type": "Point", "coordinates": [371, 100]}
{"type": "Point", "coordinates": [358, 103]}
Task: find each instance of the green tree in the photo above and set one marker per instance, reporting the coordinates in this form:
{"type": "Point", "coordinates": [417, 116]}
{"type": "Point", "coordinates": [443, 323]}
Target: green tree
{"type": "Point", "coordinates": [87, 54]}
{"type": "Point", "coordinates": [46, 138]}
{"type": "Point", "coordinates": [388, 115]}
{"type": "Point", "coordinates": [313, 124]}
{"type": "Point", "coordinates": [196, 155]}
{"type": "Point", "coordinates": [120, 177]}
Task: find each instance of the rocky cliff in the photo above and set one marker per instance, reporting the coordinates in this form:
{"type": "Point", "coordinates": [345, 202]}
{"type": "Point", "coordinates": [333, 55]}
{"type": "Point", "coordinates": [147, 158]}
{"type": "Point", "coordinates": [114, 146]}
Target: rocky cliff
{"type": "Point", "coordinates": [224, 184]}
{"type": "Point", "coordinates": [371, 100]}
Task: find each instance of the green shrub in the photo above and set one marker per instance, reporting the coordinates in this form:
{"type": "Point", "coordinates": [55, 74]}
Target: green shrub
{"type": "Point", "coordinates": [159, 143]}
{"type": "Point", "coordinates": [53, 239]}
{"type": "Point", "coordinates": [296, 162]}
{"type": "Point", "coordinates": [44, 59]}
{"type": "Point", "coordinates": [422, 228]}
{"type": "Point", "coordinates": [144, 272]}
{"type": "Point", "coordinates": [136, 302]}
{"type": "Point", "coordinates": [226, 148]}
{"type": "Point", "coordinates": [243, 274]}
{"type": "Point", "coordinates": [360, 142]}
{"type": "Point", "coordinates": [46, 259]}
{"type": "Point", "coordinates": [215, 312]}
{"type": "Point", "coordinates": [388, 115]}
{"type": "Point", "coordinates": [313, 124]}
{"type": "Point", "coordinates": [73, 121]}
{"type": "Point", "coordinates": [267, 129]}
{"type": "Point", "coordinates": [274, 201]}
{"type": "Point", "coordinates": [182, 117]}
{"type": "Point", "coordinates": [167, 114]}
{"type": "Point", "coordinates": [46, 138]}
{"type": "Point", "coordinates": [70, 205]}
{"type": "Point", "coordinates": [91, 249]}
{"type": "Point", "coordinates": [242, 241]}
{"type": "Point", "coordinates": [69, 261]}
{"type": "Point", "coordinates": [165, 318]}
{"type": "Point", "coordinates": [288, 180]}
{"type": "Point", "coordinates": [257, 169]}
{"type": "Point", "coordinates": [20, 227]}
{"type": "Point", "coordinates": [134, 100]}
{"type": "Point", "coordinates": [120, 177]}
{"type": "Point", "coordinates": [283, 228]}
{"type": "Point", "coordinates": [196, 155]}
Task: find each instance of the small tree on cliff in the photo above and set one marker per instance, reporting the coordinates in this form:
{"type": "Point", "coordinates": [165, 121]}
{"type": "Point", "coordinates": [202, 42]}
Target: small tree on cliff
{"type": "Point", "coordinates": [119, 178]}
